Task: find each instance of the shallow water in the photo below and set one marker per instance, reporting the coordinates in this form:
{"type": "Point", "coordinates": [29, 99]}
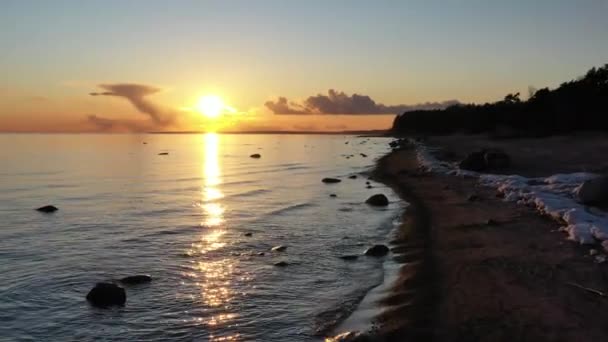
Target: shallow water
{"type": "Point", "coordinates": [181, 218]}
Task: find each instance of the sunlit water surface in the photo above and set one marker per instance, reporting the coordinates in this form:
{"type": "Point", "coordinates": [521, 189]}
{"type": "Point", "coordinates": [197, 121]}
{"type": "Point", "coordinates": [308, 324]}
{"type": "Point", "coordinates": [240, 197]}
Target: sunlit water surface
{"type": "Point", "coordinates": [182, 218]}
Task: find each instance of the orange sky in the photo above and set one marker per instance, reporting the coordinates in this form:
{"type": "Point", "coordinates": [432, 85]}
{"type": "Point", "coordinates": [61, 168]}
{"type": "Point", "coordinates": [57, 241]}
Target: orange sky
{"type": "Point", "coordinates": [379, 56]}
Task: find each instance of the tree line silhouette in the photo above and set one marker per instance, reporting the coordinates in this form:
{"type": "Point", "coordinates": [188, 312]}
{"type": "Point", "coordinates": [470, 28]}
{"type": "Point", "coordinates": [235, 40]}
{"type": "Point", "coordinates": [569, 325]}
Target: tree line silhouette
{"type": "Point", "coordinates": [580, 104]}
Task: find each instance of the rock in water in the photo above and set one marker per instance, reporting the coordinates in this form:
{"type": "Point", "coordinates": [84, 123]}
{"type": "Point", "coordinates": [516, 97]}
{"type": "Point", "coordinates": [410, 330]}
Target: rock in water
{"type": "Point", "coordinates": [349, 257]}
{"type": "Point", "coordinates": [48, 209]}
{"type": "Point", "coordinates": [279, 248]}
{"type": "Point", "coordinates": [377, 200]}
{"type": "Point", "coordinates": [593, 191]}
{"type": "Point", "coordinates": [107, 294]}
{"type": "Point", "coordinates": [377, 251]}
{"type": "Point", "coordinates": [330, 180]}
{"type": "Point", "coordinates": [281, 264]}
{"type": "Point", "coordinates": [474, 161]}
{"type": "Point", "coordinates": [136, 279]}
{"type": "Point", "coordinates": [256, 155]}
{"type": "Point", "coordinates": [248, 234]}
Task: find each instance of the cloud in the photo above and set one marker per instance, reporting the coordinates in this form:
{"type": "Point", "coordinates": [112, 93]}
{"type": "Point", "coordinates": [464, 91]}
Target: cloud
{"type": "Point", "coordinates": [337, 102]}
{"type": "Point", "coordinates": [136, 94]}
{"type": "Point", "coordinates": [104, 124]}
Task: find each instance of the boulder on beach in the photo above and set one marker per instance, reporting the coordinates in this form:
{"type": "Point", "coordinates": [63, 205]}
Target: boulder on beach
{"type": "Point", "coordinates": [486, 159]}
{"type": "Point", "coordinates": [279, 248]}
{"type": "Point", "coordinates": [474, 161]}
{"type": "Point", "coordinates": [593, 191]}
{"type": "Point", "coordinates": [107, 294]}
{"type": "Point", "coordinates": [329, 180]}
{"type": "Point", "coordinates": [136, 279]}
{"type": "Point", "coordinates": [377, 200]}
{"type": "Point", "coordinates": [496, 159]}
{"type": "Point", "coordinates": [377, 251]}
{"type": "Point", "coordinates": [47, 209]}
{"type": "Point", "coordinates": [255, 156]}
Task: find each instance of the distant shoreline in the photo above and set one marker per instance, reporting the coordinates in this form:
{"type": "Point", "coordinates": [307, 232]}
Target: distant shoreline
{"type": "Point", "coordinates": [379, 133]}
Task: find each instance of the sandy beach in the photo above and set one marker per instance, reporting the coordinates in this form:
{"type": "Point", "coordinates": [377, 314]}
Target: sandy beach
{"type": "Point", "coordinates": [477, 268]}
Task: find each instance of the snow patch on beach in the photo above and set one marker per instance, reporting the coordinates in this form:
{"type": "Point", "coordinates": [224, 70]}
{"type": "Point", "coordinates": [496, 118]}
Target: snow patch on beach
{"type": "Point", "coordinates": [554, 196]}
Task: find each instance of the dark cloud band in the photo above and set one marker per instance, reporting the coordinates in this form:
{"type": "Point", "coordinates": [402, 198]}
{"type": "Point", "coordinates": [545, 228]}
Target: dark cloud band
{"type": "Point", "coordinates": [336, 102]}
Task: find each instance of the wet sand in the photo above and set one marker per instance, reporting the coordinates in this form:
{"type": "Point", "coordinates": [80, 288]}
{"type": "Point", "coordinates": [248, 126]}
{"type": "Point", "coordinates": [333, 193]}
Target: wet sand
{"type": "Point", "coordinates": [484, 269]}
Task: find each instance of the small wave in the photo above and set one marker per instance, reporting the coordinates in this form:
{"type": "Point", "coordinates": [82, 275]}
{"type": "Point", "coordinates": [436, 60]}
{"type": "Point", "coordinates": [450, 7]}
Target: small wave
{"type": "Point", "coordinates": [290, 208]}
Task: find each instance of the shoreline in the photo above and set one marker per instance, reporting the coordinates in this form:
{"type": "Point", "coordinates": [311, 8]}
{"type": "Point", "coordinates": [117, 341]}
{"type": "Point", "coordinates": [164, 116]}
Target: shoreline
{"type": "Point", "coordinates": [483, 269]}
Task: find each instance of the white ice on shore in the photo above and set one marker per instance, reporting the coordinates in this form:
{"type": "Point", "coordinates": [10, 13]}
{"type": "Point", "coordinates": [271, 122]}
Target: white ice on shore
{"type": "Point", "coordinates": [553, 196]}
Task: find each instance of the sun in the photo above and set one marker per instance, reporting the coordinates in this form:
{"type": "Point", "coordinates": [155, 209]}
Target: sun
{"type": "Point", "coordinates": [210, 106]}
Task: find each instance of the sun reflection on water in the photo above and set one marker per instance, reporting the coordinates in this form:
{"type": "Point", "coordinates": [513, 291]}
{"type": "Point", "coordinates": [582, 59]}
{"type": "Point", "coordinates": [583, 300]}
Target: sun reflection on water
{"type": "Point", "coordinates": [211, 273]}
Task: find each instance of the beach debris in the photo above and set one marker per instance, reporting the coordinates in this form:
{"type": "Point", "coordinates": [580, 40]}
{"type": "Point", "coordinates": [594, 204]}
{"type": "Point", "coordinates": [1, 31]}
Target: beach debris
{"type": "Point", "coordinates": [281, 263]}
{"type": "Point", "coordinates": [592, 191]}
{"type": "Point", "coordinates": [279, 248]}
{"type": "Point", "coordinates": [107, 294]}
{"type": "Point", "coordinates": [329, 180]}
{"type": "Point", "coordinates": [47, 209]}
{"type": "Point", "coordinates": [377, 251]}
{"type": "Point", "coordinates": [255, 156]}
{"type": "Point", "coordinates": [597, 292]}
{"type": "Point", "coordinates": [349, 257]}
{"type": "Point", "coordinates": [333, 195]}
{"type": "Point", "coordinates": [163, 154]}
{"type": "Point", "coordinates": [491, 222]}
{"type": "Point", "coordinates": [377, 200]}
{"type": "Point", "coordinates": [352, 177]}
{"type": "Point", "coordinates": [472, 198]}
{"type": "Point", "coordinates": [248, 234]}
{"type": "Point", "coordinates": [136, 279]}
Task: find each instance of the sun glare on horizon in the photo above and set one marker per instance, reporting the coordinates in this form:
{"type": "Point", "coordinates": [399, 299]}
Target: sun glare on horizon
{"type": "Point", "coordinates": [210, 106]}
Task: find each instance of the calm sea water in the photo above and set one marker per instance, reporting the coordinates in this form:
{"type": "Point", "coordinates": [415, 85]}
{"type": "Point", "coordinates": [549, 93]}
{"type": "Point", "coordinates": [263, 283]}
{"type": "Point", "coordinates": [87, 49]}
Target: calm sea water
{"type": "Point", "coordinates": [182, 218]}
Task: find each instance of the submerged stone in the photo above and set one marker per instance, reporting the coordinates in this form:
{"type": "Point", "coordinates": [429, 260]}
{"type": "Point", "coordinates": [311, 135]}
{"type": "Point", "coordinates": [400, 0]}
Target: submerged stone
{"type": "Point", "coordinates": [47, 209]}
{"type": "Point", "coordinates": [377, 251]}
{"type": "Point", "coordinates": [377, 200]}
{"type": "Point", "coordinates": [107, 294]}
{"type": "Point", "coordinates": [136, 279]}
